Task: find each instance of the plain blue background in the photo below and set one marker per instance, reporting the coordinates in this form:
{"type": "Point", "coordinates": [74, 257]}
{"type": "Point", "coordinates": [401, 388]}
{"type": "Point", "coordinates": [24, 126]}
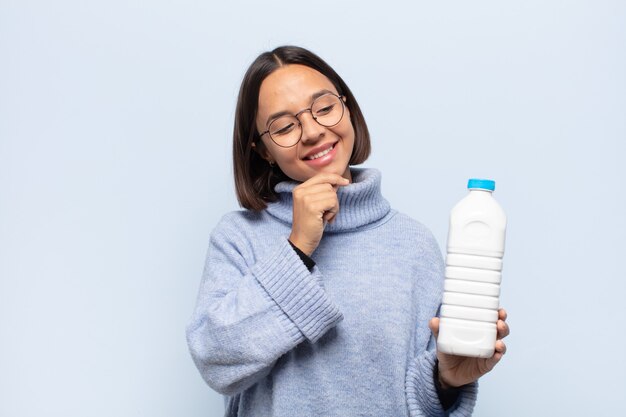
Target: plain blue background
{"type": "Point", "coordinates": [115, 164]}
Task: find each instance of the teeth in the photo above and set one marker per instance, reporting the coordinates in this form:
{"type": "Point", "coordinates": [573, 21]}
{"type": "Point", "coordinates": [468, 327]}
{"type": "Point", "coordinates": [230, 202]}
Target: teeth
{"type": "Point", "coordinates": [319, 155]}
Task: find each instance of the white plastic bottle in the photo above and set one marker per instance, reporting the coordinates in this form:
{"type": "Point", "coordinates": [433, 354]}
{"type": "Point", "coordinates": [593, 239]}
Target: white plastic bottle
{"type": "Point", "coordinates": [469, 310]}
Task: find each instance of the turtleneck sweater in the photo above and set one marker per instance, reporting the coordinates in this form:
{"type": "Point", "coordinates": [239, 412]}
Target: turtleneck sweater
{"type": "Point", "coordinates": [349, 337]}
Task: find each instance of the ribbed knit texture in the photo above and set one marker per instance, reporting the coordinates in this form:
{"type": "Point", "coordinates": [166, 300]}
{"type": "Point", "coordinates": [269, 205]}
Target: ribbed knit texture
{"type": "Point", "coordinates": [348, 338]}
{"type": "Point", "coordinates": [363, 198]}
{"type": "Point", "coordinates": [302, 299]}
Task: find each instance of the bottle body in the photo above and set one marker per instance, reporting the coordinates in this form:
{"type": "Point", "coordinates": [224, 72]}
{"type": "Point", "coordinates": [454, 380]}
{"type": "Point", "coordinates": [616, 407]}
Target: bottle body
{"type": "Point", "coordinates": [475, 247]}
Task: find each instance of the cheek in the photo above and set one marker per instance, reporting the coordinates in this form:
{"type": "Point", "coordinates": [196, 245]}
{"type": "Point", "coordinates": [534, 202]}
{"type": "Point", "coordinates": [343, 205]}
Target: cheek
{"type": "Point", "coordinates": [345, 129]}
{"type": "Point", "coordinates": [285, 155]}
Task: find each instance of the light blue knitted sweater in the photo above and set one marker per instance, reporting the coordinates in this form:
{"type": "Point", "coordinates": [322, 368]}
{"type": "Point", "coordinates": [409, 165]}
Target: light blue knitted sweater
{"type": "Point", "coordinates": [348, 338]}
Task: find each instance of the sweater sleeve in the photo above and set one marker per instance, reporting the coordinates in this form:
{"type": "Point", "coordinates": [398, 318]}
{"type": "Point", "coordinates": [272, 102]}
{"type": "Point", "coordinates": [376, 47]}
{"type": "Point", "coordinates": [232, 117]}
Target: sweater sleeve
{"type": "Point", "coordinates": [250, 312]}
{"type": "Point", "coordinates": [422, 395]}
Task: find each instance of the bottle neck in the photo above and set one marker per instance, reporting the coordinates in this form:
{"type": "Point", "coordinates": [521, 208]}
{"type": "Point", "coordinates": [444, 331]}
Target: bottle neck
{"type": "Point", "coordinates": [480, 191]}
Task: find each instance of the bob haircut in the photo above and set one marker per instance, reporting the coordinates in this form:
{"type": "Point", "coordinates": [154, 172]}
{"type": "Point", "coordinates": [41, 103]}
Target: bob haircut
{"type": "Point", "coordinates": [255, 178]}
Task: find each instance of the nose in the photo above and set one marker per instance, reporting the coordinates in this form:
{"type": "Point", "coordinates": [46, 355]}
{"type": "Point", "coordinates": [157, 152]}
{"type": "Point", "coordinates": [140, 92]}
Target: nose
{"type": "Point", "coordinates": [311, 130]}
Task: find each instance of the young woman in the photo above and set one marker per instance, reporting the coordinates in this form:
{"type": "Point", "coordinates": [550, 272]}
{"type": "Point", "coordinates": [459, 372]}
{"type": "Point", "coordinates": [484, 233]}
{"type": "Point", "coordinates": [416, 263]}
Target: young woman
{"type": "Point", "coordinates": [319, 299]}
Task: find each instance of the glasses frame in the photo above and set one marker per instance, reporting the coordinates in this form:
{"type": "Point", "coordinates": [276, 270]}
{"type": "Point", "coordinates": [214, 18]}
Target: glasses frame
{"type": "Point", "coordinates": [310, 110]}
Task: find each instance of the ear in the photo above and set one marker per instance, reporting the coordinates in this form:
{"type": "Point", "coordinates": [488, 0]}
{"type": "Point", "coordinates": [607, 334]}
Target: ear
{"type": "Point", "coordinates": [261, 150]}
{"type": "Point", "coordinates": [345, 100]}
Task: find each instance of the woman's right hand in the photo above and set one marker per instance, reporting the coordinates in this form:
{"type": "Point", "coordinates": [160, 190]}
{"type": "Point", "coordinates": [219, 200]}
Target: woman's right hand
{"type": "Point", "coordinates": [314, 201]}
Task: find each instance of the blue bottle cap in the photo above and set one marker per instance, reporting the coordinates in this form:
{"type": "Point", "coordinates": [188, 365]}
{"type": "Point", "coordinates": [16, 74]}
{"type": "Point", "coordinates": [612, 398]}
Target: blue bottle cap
{"type": "Point", "coordinates": [481, 184]}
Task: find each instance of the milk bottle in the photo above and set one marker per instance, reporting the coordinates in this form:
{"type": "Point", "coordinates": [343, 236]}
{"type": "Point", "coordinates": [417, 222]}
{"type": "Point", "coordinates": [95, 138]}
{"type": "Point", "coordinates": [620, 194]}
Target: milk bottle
{"type": "Point", "coordinates": [469, 311]}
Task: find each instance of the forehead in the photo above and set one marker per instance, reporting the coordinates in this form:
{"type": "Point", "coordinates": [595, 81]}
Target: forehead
{"type": "Point", "coordinates": [291, 85]}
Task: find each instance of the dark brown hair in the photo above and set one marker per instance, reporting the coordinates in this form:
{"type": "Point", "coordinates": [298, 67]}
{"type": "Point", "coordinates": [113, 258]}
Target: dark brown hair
{"type": "Point", "coordinates": [254, 177]}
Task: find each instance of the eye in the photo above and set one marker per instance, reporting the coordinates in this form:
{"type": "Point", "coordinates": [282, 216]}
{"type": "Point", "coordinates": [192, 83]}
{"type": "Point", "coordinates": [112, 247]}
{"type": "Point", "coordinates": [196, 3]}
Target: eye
{"type": "Point", "coordinates": [325, 110]}
{"type": "Point", "coordinates": [285, 129]}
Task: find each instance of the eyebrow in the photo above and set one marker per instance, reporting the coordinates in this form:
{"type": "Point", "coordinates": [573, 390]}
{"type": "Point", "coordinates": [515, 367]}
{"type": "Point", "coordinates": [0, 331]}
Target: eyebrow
{"type": "Point", "coordinates": [285, 112]}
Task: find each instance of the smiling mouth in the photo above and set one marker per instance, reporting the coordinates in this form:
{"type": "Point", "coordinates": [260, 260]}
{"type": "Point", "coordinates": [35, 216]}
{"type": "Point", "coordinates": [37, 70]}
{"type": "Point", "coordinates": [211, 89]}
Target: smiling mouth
{"type": "Point", "coordinates": [320, 154]}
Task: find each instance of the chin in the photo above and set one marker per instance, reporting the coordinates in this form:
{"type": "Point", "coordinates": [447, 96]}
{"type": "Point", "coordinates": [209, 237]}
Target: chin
{"type": "Point", "coordinates": [332, 170]}
{"type": "Point", "coordinates": [304, 173]}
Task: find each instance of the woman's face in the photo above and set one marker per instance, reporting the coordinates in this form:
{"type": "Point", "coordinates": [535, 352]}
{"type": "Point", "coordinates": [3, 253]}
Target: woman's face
{"type": "Point", "coordinates": [290, 89]}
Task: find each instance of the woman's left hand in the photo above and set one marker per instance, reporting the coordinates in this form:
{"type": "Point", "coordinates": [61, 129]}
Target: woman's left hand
{"type": "Point", "coordinates": [455, 371]}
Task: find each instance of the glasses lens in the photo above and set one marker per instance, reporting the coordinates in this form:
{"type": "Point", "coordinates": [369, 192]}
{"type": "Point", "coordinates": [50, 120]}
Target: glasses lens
{"type": "Point", "coordinates": [328, 110]}
{"type": "Point", "coordinates": [285, 130]}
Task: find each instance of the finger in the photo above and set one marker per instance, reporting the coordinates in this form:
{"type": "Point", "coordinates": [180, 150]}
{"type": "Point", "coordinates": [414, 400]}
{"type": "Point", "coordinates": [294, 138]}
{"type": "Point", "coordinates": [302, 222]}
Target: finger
{"type": "Point", "coordinates": [327, 178]}
{"type": "Point", "coordinates": [433, 324]}
{"type": "Point", "coordinates": [502, 315]}
{"type": "Point", "coordinates": [303, 192]}
{"type": "Point", "coordinates": [503, 329]}
{"type": "Point", "coordinates": [500, 347]}
{"type": "Point", "coordinates": [329, 216]}
{"type": "Point", "coordinates": [327, 207]}
{"type": "Point", "coordinates": [320, 202]}
{"type": "Point", "coordinates": [493, 361]}
{"type": "Point", "coordinates": [498, 353]}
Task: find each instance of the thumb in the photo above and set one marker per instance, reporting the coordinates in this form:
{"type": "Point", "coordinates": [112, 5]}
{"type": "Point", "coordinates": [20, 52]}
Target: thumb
{"type": "Point", "coordinates": [433, 324]}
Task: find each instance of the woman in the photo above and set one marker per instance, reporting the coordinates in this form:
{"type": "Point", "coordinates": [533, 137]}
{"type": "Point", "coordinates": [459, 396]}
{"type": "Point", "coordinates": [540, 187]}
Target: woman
{"type": "Point", "coordinates": [319, 299]}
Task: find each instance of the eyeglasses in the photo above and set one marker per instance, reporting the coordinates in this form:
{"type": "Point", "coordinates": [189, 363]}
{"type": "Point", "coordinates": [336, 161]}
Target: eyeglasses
{"type": "Point", "coordinates": [286, 131]}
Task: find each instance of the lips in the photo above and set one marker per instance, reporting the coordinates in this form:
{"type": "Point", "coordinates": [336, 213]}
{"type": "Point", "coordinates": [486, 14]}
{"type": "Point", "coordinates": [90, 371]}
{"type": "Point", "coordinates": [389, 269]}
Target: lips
{"type": "Point", "coordinates": [318, 149]}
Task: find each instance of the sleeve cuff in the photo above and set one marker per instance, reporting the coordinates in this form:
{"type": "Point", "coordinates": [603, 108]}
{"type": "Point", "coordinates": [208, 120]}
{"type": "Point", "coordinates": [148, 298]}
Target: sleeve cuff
{"type": "Point", "coordinates": [422, 396]}
{"type": "Point", "coordinates": [297, 292]}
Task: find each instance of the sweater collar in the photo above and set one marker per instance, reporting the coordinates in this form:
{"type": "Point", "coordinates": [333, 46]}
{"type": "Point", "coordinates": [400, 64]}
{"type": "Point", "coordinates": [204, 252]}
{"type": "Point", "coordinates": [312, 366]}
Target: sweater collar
{"type": "Point", "coordinates": [360, 202]}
